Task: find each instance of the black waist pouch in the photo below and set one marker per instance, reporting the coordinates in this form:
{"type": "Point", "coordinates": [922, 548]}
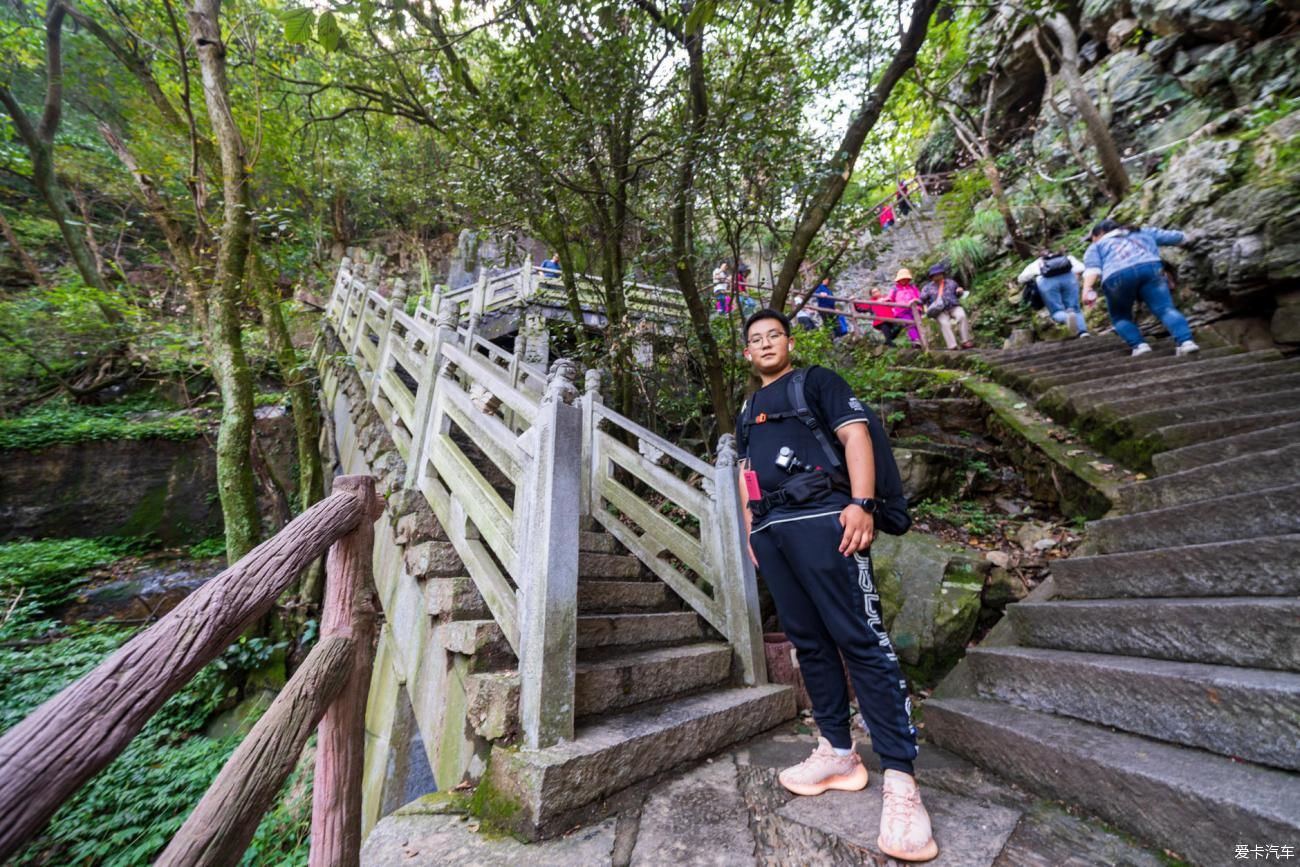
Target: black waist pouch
{"type": "Point", "coordinates": [806, 487]}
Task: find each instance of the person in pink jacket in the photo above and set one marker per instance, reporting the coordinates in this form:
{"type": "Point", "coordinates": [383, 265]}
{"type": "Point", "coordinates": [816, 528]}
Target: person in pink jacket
{"type": "Point", "coordinates": [905, 293]}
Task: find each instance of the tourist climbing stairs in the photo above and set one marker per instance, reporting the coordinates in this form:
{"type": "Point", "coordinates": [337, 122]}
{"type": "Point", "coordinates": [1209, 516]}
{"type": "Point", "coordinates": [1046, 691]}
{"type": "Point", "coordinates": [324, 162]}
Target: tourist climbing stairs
{"type": "Point", "coordinates": [1154, 681]}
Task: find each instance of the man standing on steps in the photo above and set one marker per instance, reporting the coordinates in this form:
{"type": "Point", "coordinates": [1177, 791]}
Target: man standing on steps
{"type": "Point", "coordinates": [811, 540]}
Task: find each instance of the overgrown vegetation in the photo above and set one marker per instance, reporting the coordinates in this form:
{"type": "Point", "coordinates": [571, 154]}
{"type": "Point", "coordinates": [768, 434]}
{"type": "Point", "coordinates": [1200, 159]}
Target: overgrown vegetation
{"type": "Point", "coordinates": [63, 423]}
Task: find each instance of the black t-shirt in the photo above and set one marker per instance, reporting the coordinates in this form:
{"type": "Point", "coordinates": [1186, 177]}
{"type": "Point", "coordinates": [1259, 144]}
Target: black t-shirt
{"type": "Point", "coordinates": [831, 401]}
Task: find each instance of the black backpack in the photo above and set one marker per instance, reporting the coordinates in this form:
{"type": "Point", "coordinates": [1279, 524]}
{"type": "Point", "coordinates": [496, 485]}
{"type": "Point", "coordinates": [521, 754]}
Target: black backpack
{"type": "Point", "coordinates": [1031, 296]}
{"type": "Point", "coordinates": [891, 515]}
{"type": "Point", "coordinates": [1054, 266]}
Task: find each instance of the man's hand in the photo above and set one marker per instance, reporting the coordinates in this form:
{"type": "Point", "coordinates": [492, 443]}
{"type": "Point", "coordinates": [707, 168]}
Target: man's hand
{"type": "Point", "coordinates": [859, 529]}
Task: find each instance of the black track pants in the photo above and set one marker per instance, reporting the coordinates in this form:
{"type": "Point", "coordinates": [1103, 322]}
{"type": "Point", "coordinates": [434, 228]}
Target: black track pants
{"type": "Point", "coordinates": [828, 606]}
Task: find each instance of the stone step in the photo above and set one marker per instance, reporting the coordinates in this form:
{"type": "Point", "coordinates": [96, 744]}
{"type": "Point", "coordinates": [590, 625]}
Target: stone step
{"type": "Point", "coordinates": [607, 681]}
{"type": "Point", "coordinates": [1078, 398]}
{"type": "Point", "coordinates": [1179, 435]}
{"type": "Point", "coordinates": [1210, 482]}
{"type": "Point", "coordinates": [1194, 803]}
{"type": "Point", "coordinates": [540, 793]}
{"type": "Point", "coordinates": [612, 567]}
{"type": "Point", "coordinates": [1029, 370]}
{"type": "Point", "coordinates": [1145, 364]}
{"type": "Point", "coordinates": [1252, 632]}
{"type": "Point", "coordinates": [1101, 343]}
{"type": "Point", "coordinates": [1270, 512]}
{"type": "Point", "coordinates": [620, 597]}
{"type": "Point", "coordinates": [1225, 410]}
{"type": "Point", "coordinates": [598, 543]}
{"type": "Point", "coordinates": [1075, 353]}
{"type": "Point", "coordinates": [623, 630]}
{"type": "Point", "coordinates": [1241, 712]}
{"type": "Point", "coordinates": [1261, 566]}
{"type": "Point", "coordinates": [1169, 397]}
{"type": "Point", "coordinates": [1214, 451]}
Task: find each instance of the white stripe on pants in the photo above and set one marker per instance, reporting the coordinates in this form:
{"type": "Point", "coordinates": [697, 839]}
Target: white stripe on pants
{"type": "Point", "coordinates": [947, 318]}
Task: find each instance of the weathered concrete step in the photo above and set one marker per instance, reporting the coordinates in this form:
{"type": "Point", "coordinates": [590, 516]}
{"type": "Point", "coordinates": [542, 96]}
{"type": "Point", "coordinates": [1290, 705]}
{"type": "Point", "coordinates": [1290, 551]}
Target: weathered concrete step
{"type": "Point", "coordinates": [598, 543]}
{"type": "Point", "coordinates": [615, 567]}
{"type": "Point", "coordinates": [1242, 712]}
{"type": "Point", "coordinates": [1251, 632]}
{"type": "Point", "coordinates": [1065, 402]}
{"type": "Point", "coordinates": [1270, 512]}
{"type": "Point", "coordinates": [1214, 451]}
{"type": "Point", "coordinates": [626, 678]}
{"type": "Point", "coordinates": [1106, 363]}
{"type": "Point", "coordinates": [607, 630]}
{"type": "Point", "coordinates": [1261, 566]}
{"type": "Point", "coordinates": [1073, 353]}
{"type": "Point", "coordinates": [1102, 343]}
{"type": "Point", "coordinates": [1144, 364]}
{"type": "Point", "coordinates": [539, 793]}
{"type": "Point", "coordinates": [1191, 802]}
{"type": "Point", "coordinates": [1179, 435]}
{"type": "Point", "coordinates": [617, 597]}
{"type": "Point", "coordinates": [1212, 481]}
{"type": "Point", "coordinates": [1224, 409]}
{"type": "Point", "coordinates": [1207, 394]}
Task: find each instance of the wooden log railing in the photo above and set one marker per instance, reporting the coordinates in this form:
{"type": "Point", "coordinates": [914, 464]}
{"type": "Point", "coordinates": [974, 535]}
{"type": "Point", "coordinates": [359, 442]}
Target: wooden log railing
{"type": "Point", "coordinates": [71, 737]}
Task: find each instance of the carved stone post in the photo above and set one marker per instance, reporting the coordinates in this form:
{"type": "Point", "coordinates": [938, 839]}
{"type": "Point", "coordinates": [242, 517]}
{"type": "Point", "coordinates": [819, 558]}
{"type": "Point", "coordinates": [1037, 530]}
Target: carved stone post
{"type": "Point", "coordinates": [396, 302]}
{"type": "Point", "coordinates": [589, 470]}
{"type": "Point", "coordinates": [736, 579]}
{"type": "Point", "coordinates": [548, 558]}
{"type": "Point", "coordinates": [477, 302]}
{"type": "Point", "coordinates": [444, 332]}
{"type": "Point", "coordinates": [526, 282]}
{"type": "Point", "coordinates": [339, 295]}
{"type": "Point", "coordinates": [537, 348]}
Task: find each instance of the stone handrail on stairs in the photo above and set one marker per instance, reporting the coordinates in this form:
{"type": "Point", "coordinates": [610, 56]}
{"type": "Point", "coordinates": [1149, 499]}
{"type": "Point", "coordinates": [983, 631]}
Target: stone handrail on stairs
{"type": "Point", "coordinates": [513, 462]}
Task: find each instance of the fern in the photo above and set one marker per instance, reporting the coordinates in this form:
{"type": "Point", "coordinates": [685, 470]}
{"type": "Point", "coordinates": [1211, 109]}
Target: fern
{"type": "Point", "coordinates": [969, 252]}
{"type": "Point", "coordinates": [988, 223]}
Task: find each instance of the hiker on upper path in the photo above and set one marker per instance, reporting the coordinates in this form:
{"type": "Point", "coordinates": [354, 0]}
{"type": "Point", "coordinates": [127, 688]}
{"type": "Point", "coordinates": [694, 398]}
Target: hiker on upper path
{"type": "Point", "coordinates": [826, 303]}
{"type": "Point", "coordinates": [551, 267]}
{"type": "Point", "coordinates": [1127, 260]}
{"type": "Point", "coordinates": [810, 531]}
{"type": "Point", "coordinates": [941, 297]}
{"type": "Point", "coordinates": [1056, 276]}
{"type": "Point", "coordinates": [722, 288]}
{"type": "Point", "coordinates": [886, 218]}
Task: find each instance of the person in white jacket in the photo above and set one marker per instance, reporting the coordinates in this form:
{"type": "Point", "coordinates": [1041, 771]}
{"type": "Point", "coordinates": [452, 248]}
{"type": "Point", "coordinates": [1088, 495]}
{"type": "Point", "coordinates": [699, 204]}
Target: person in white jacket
{"type": "Point", "coordinates": [1057, 277]}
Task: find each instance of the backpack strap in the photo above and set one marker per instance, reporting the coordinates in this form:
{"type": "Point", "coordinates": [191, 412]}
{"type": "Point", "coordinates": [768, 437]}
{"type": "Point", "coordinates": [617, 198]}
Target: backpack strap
{"type": "Point", "coordinates": [799, 400]}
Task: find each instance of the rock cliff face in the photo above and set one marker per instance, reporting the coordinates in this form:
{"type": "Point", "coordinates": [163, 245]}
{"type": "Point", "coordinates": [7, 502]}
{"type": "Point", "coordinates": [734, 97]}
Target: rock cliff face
{"type": "Point", "coordinates": [1200, 96]}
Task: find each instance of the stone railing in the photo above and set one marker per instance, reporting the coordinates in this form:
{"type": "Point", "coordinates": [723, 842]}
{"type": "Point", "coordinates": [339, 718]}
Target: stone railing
{"type": "Point", "coordinates": [512, 460]}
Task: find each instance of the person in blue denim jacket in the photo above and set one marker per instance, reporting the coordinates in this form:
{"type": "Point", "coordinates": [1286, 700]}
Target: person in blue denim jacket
{"type": "Point", "coordinates": [1128, 262]}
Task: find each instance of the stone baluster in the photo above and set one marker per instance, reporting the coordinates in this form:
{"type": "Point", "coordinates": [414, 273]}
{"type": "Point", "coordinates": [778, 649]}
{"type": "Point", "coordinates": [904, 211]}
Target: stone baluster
{"type": "Point", "coordinates": [477, 302]}
{"type": "Point", "coordinates": [396, 302]}
{"type": "Point", "coordinates": [339, 295]}
{"type": "Point", "coordinates": [444, 332]}
{"type": "Point", "coordinates": [548, 559]}
{"type": "Point", "coordinates": [737, 582]}
{"type": "Point", "coordinates": [589, 423]}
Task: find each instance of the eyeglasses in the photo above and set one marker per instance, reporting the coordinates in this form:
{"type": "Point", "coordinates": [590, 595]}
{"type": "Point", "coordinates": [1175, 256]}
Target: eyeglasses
{"type": "Point", "coordinates": [769, 337]}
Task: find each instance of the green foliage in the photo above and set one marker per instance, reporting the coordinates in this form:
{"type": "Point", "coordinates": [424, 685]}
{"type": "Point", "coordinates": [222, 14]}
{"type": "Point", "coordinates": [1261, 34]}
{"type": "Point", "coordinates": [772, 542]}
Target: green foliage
{"type": "Point", "coordinates": [47, 572]}
{"type": "Point", "coordinates": [968, 514]}
{"type": "Point", "coordinates": [213, 546]}
{"type": "Point", "coordinates": [61, 423]}
{"type": "Point", "coordinates": [968, 252]}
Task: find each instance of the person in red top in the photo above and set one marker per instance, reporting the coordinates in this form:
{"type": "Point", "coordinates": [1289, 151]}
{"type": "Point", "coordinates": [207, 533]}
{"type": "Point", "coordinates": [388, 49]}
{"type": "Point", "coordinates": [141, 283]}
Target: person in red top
{"type": "Point", "coordinates": [886, 218]}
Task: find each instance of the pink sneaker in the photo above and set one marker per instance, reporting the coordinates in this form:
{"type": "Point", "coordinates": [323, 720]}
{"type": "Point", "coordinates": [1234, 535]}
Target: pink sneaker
{"type": "Point", "coordinates": [904, 823]}
{"type": "Point", "coordinates": [824, 770]}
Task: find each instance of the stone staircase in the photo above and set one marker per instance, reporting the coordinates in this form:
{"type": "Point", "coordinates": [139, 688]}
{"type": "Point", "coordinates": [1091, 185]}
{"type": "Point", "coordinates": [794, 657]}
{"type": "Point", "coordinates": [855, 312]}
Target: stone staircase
{"type": "Point", "coordinates": [1156, 682]}
{"type": "Point", "coordinates": [655, 688]}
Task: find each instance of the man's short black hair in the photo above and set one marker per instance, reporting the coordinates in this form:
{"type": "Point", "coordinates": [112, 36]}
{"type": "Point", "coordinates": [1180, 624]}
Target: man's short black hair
{"type": "Point", "coordinates": [768, 313]}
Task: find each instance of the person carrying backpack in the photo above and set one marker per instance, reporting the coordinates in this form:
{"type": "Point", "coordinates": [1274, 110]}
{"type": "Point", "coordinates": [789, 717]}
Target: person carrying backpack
{"type": "Point", "coordinates": [942, 299]}
{"type": "Point", "coordinates": [818, 480]}
{"type": "Point", "coordinates": [1128, 262]}
{"type": "Point", "coordinates": [1055, 276]}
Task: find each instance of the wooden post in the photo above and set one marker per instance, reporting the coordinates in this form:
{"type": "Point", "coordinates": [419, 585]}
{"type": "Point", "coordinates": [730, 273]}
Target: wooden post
{"type": "Point", "coordinates": [548, 609]}
{"type": "Point", "coordinates": [444, 332]}
{"type": "Point", "coordinates": [396, 301]}
{"type": "Point", "coordinates": [738, 584]}
{"type": "Point", "coordinates": [589, 401]}
{"type": "Point", "coordinates": [218, 831]}
{"type": "Point", "coordinates": [70, 738]}
{"type": "Point", "coordinates": [349, 612]}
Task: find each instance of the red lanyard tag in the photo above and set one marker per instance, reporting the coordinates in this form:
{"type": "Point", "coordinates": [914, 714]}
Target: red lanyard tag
{"type": "Point", "coordinates": [751, 485]}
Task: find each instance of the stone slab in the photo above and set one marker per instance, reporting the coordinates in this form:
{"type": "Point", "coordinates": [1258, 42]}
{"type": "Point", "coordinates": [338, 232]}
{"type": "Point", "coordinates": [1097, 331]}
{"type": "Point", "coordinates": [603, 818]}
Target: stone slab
{"type": "Point", "coordinates": [1049, 837]}
{"type": "Point", "coordinates": [1253, 632]}
{"type": "Point", "coordinates": [623, 596]}
{"type": "Point", "coordinates": [1191, 802]}
{"type": "Point", "coordinates": [696, 820]}
{"type": "Point", "coordinates": [1235, 475]}
{"type": "Point", "coordinates": [615, 567]}
{"type": "Point", "coordinates": [625, 679]}
{"type": "Point", "coordinates": [604, 630]}
{"type": "Point", "coordinates": [1190, 457]}
{"type": "Point", "coordinates": [404, 839]}
{"type": "Point", "coordinates": [1179, 435]}
{"type": "Point", "coordinates": [1262, 566]}
{"type": "Point", "coordinates": [1270, 512]}
{"type": "Point", "coordinates": [844, 826]}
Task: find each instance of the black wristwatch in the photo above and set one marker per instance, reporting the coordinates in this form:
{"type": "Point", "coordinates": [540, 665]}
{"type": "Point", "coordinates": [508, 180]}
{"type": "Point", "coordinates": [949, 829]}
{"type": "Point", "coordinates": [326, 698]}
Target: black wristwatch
{"type": "Point", "coordinates": [867, 503]}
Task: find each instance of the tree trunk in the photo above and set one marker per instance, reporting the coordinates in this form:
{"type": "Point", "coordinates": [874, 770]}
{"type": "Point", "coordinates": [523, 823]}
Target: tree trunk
{"type": "Point", "coordinates": [230, 365]}
{"type": "Point", "coordinates": [979, 151]}
{"type": "Point", "coordinates": [840, 167]}
{"type": "Point", "coordinates": [1112, 166]}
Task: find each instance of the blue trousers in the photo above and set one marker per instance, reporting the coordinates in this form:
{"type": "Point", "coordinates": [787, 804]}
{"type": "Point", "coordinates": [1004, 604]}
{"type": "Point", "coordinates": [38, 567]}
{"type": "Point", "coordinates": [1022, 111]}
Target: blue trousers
{"type": "Point", "coordinates": [828, 605]}
{"type": "Point", "coordinates": [1061, 296]}
{"type": "Point", "coordinates": [1145, 283]}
